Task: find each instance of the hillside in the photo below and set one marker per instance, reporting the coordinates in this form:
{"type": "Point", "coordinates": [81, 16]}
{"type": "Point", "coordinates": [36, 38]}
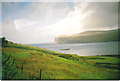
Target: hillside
{"type": "Point", "coordinates": [89, 36]}
{"type": "Point", "coordinates": [33, 63]}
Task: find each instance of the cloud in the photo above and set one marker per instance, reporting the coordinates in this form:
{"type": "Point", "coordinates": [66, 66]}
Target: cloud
{"type": "Point", "coordinates": [32, 28]}
{"type": "Point", "coordinates": [22, 24]}
{"type": "Point", "coordinates": [104, 15]}
{"type": "Point", "coordinates": [32, 35]}
{"type": "Point", "coordinates": [48, 13]}
{"type": "Point", "coordinates": [41, 22]}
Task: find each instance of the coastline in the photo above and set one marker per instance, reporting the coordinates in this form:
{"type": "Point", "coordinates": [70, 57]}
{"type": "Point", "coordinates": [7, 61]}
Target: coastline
{"type": "Point", "coordinates": [29, 60]}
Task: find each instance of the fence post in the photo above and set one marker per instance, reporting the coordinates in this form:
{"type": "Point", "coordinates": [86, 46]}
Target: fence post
{"type": "Point", "coordinates": [22, 68]}
{"type": "Point", "coordinates": [13, 60]}
{"type": "Point", "coordinates": [40, 73]}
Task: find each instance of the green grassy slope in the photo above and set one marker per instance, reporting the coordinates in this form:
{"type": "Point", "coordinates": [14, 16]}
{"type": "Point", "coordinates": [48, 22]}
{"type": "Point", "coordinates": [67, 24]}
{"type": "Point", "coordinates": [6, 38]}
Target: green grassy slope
{"type": "Point", "coordinates": [89, 36]}
{"type": "Point", "coordinates": [28, 62]}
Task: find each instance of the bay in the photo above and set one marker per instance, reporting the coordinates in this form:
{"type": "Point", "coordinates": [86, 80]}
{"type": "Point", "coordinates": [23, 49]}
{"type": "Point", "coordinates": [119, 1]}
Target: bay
{"type": "Point", "coordinates": [84, 49]}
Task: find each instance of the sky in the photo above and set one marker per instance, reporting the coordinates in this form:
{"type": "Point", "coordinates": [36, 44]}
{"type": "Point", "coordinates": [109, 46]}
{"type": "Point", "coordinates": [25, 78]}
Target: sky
{"type": "Point", "coordinates": [41, 22]}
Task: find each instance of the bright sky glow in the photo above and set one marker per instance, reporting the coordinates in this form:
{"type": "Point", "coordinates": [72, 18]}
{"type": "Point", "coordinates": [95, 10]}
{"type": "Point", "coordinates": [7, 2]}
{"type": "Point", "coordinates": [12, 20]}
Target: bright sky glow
{"type": "Point", "coordinates": [41, 22]}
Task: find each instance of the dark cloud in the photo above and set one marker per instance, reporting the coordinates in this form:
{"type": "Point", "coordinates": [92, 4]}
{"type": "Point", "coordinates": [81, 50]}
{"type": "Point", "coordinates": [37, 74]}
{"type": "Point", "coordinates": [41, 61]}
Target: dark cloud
{"type": "Point", "coordinates": [105, 15]}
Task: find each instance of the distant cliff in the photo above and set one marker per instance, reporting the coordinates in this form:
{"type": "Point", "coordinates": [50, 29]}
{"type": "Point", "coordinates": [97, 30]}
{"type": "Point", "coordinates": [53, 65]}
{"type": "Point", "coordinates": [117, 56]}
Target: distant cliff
{"type": "Point", "coordinates": [89, 36]}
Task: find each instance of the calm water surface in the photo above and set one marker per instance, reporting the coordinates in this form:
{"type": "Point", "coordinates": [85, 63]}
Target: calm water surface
{"type": "Point", "coordinates": [84, 49]}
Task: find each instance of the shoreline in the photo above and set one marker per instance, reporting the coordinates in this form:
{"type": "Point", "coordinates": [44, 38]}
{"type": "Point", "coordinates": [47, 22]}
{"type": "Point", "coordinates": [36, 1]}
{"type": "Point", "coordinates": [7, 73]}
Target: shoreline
{"type": "Point", "coordinates": [24, 62]}
{"type": "Point", "coordinates": [79, 49]}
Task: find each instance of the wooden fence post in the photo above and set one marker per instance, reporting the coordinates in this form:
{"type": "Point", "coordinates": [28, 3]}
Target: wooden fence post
{"type": "Point", "coordinates": [40, 73]}
{"type": "Point", "coordinates": [13, 60]}
{"type": "Point", "coordinates": [22, 68]}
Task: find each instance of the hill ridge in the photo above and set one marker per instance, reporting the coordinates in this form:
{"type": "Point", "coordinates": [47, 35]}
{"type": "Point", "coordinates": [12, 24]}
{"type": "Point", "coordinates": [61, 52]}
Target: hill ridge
{"type": "Point", "coordinates": [89, 36]}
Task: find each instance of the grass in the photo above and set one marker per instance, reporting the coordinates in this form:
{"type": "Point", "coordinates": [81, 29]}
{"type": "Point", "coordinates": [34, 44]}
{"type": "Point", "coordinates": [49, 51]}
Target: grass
{"type": "Point", "coordinates": [25, 62]}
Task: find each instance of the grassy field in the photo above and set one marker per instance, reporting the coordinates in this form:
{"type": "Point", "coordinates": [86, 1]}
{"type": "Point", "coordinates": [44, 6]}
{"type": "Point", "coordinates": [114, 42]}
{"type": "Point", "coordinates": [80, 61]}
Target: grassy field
{"type": "Point", "coordinates": [29, 62]}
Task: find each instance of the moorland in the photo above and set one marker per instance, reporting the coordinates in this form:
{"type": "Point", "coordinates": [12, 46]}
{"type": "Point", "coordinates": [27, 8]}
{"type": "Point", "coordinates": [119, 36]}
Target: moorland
{"type": "Point", "coordinates": [32, 63]}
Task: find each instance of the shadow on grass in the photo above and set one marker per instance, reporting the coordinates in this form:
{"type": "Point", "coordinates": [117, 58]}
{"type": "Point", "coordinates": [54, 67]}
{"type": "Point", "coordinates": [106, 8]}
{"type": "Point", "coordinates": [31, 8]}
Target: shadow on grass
{"type": "Point", "coordinates": [110, 65]}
